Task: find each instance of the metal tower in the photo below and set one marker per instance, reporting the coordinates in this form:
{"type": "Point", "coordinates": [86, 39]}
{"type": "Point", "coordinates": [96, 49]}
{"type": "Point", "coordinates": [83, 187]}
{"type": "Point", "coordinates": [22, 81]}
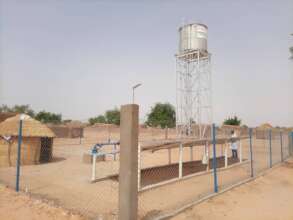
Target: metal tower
{"type": "Point", "coordinates": [193, 89]}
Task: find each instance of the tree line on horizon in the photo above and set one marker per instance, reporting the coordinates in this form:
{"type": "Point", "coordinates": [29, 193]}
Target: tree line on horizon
{"type": "Point", "coordinates": [161, 115]}
{"type": "Point", "coordinates": [42, 116]}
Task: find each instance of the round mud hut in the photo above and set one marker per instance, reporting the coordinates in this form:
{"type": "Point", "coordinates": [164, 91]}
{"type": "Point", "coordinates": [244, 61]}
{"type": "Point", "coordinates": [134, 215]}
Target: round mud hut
{"type": "Point", "coordinates": [37, 142]}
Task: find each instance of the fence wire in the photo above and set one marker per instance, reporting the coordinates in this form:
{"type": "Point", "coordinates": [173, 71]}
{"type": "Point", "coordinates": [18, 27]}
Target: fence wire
{"type": "Point", "coordinates": [61, 170]}
{"type": "Point", "coordinates": [176, 177]}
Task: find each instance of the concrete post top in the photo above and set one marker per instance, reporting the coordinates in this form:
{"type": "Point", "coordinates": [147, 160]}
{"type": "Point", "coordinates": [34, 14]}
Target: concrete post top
{"type": "Point", "coordinates": [130, 106]}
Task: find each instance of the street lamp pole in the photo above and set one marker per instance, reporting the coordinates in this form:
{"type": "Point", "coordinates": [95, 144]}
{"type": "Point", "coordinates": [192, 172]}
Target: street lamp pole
{"type": "Point", "coordinates": [133, 88]}
{"type": "Point", "coordinates": [291, 50]}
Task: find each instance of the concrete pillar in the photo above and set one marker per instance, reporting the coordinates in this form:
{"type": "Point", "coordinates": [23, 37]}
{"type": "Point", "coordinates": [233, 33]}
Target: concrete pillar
{"type": "Point", "coordinates": [128, 173]}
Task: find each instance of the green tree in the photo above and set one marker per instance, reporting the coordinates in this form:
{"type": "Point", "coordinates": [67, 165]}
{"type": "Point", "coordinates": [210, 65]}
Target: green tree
{"type": "Point", "coordinates": [232, 121]}
{"type": "Point", "coordinates": [48, 117]}
{"type": "Point", "coordinates": [113, 116]}
{"type": "Point", "coordinates": [25, 109]}
{"type": "Point", "coordinates": [5, 108]}
{"type": "Point", "coordinates": [163, 115]}
{"type": "Point", "coordinates": [98, 119]}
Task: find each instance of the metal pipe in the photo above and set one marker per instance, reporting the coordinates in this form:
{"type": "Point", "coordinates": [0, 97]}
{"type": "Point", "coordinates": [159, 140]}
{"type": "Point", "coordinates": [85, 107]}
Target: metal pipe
{"type": "Point", "coordinates": [270, 144]}
{"type": "Point", "coordinates": [281, 140]}
{"type": "Point", "coordinates": [180, 160]}
{"type": "Point", "coordinates": [133, 88]}
{"type": "Point", "coordinates": [240, 151]}
{"type": "Point", "coordinates": [19, 153]}
{"type": "Point", "coordinates": [226, 156]}
{"type": "Point", "coordinates": [215, 160]}
{"type": "Point", "coordinates": [251, 153]}
{"type": "Point", "coordinates": [94, 166]}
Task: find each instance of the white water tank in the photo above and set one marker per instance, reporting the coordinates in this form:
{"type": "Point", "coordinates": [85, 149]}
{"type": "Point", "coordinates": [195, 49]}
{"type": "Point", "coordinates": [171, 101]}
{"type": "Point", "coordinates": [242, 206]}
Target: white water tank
{"type": "Point", "coordinates": [193, 37]}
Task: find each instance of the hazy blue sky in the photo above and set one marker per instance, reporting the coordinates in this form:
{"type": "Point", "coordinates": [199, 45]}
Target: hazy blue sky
{"type": "Point", "coordinates": [80, 58]}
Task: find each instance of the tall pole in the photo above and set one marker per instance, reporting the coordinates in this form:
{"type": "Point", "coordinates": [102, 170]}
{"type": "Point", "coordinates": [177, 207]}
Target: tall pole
{"type": "Point", "coordinates": [18, 153]}
{"type": "Point", "coordinates": [291, 50]}
{"type": "Point", "coordinates": [133, 88]}
{"type": "Point", "coordinates": [215, 160]}
{"type": "Point", "coordinates": [281, 142]}
{"type": "Point", "coordinates": [133, 95]}
{"type": "Point", "coordinates": [270, 143]}
{"type": "Point", "coordinates": [251, 153]}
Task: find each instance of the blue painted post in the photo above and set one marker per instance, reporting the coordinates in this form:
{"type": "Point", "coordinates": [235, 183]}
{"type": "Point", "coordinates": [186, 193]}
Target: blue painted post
{"type": "Point", "coordinates": [215, 160]}
{"type": "Point", "coordinates": [270, 143]}
{"type": "Point", "coordinates": [251, 153]}
{"type": "Point", "coordinates": [18, 155]}
{"type": "Point", "coordinates": [281, 140]}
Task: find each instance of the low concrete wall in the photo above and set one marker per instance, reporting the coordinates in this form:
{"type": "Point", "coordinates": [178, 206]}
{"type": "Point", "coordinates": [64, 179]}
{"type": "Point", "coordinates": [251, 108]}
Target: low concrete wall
{"type": "Point", "coordinates": [62, 131]}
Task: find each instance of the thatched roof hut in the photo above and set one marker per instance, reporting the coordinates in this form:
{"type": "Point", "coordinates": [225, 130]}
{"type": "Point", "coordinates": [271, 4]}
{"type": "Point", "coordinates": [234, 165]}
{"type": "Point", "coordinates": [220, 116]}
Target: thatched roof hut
{"type": "Point", "coordinates": [5, 115]}
{"type": "Point", "coordinates": [37, 142]}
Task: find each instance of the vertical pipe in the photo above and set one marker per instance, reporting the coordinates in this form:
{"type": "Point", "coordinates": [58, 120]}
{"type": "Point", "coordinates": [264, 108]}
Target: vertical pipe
{"type": "Point", "coordinates": [180, 160]}
{"type": "Point", "coordinates": [94, 166]}
{"type": "Point", "coordinates": [270, 143]}
{"type": "Point", "coordinates": [18, 154]}
{"type": "Point", "coordinates": [207, 152]}
{"type": "Point", "coordinates": [251, 153]}
{"type": "Point", "coordinates": [215, 160]}
{"type": "Point", "coordinates": [240, 150]}
{"type": "Point", "coordinates": [291, 146]}
{"type": "Point", "coordinates": [226, 156]}
{"type": "Point", "coordinates": [80, 134]}
{"type": "Point", "coordinates": [115, 152]}
{"type": "Point", "coordinates": [281, 142]}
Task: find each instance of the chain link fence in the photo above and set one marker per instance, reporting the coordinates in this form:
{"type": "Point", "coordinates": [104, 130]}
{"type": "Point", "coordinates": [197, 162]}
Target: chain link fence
{"type": "Point", "coordinates": [172, 173]}
{"type": "Point", "coordinates": [174, 176]}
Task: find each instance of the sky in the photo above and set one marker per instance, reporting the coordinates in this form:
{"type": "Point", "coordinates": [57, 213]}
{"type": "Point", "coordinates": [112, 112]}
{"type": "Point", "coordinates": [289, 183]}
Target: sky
{"type": "Point", "coordinates": [81, 57]}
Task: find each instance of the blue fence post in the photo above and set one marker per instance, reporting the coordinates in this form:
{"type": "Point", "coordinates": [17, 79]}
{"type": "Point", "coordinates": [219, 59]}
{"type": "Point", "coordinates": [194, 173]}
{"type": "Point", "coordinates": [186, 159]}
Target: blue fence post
{"type": "Point", "coordinates": [281, 142]}
{"type": "Point", "coordinates": [18, 154]}
{"type": "Point", "coordinates": [270, 143]}
{"type": "Point", "coordinates": [251, 153]}
{"type": "Point", "coordinates": [215, 160]}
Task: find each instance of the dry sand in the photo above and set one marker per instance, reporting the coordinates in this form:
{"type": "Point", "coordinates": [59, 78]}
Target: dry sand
{"type": "Point", "coordinates": [269, 197]}
{"type": "Point", "coordinates": [66, 181]}
{"type": "Point", "coordinates": [15, 206]}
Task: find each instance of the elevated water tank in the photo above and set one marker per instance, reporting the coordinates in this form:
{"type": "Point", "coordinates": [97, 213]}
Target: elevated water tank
{"type": "Point", "coordinates": [193, 37]}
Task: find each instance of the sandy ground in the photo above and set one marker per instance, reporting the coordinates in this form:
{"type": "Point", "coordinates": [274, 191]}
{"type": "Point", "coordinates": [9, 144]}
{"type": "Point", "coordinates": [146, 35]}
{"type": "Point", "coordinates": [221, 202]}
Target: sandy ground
{"type": "Point", "coordinates": [14, 206]}
{"type": "Point", "coordinates": [268, 197]}
{"type": "Point", "coordinates": [66, 181]}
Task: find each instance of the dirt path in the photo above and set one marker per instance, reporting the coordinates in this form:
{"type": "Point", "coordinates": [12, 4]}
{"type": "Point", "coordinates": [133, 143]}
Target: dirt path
{"type": "Point", "coordinates": [269, 197]}
{"type": "Point", "coordinates": [15, 206]}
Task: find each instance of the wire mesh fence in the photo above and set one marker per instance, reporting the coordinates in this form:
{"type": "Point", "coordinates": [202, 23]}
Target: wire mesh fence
{"type": "Point", "coordinates": [172, 174]}
{"type": "Point", "coordinates": [179, 174]}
